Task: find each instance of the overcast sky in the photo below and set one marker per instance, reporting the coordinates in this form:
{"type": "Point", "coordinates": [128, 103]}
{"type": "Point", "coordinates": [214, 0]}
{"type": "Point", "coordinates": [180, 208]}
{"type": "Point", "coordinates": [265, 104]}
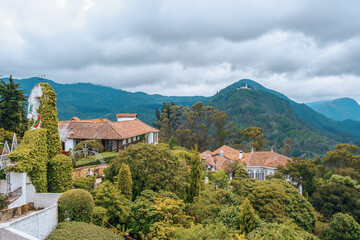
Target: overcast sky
{"type": "Point", "coordinates": [308, 50]}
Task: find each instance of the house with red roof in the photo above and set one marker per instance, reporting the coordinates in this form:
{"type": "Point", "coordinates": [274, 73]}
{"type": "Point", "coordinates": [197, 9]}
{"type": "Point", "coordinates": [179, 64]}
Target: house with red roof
{"type": "Point", "coordinates": [115, 136]}
{"type": "Point", "coordinates": [257, 164]}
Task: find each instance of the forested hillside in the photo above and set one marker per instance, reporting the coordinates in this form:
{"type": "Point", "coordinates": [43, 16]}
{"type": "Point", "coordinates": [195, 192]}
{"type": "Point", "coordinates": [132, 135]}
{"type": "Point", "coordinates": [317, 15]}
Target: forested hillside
{"type": "Point", "coordinates": [89, 101]}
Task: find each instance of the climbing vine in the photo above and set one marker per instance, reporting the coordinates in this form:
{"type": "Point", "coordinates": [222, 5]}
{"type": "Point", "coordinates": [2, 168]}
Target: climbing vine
{"type": "Point", "coordinates": [32, 157]}
{"type": "Point", "coordinates": [49, 120]}
{"type": "Point", "coordinates": [59, 173]}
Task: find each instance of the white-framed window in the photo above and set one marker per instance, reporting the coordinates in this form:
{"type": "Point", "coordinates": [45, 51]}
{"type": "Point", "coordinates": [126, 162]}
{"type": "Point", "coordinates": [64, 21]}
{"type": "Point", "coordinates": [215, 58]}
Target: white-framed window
{"type": "Point", "coordinates": [129, 140]}
{"type": "Point", "coordinates": [124, 141]}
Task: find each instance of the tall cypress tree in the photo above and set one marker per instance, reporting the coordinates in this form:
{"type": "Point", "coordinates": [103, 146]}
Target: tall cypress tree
{"type": "Point", "coordinates": [247, 218]}
{"type": "Point", "coordinates": [125, 181]}
{"type": "Point", "coordinates": [12, 107]}
{"type": "Point", "coordinates": [195, 176]}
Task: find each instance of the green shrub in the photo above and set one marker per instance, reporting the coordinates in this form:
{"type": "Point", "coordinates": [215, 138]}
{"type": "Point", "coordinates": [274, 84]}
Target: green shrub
{"type": "Point", "coordinates": [81, 231]}
{"type": "Point", "coordinates": [99, 214]}
{"type": "Point", "coordinates": [109, 197]}
{"type": "Point", "coordinates": [77, 205]}
{"type": "Point", "coordinates": [32, 157]}
{"type": "Point", "coordinates": [275, 231]}
{"type": "Point", "coordinates": [86, 183]}
{"type": "Point", "coordinates": [275, 200]}
{"type": "Point", "coordinates": [93, 145]}
{"type": "Point", "coordinates": [59, 173]}
{"type": "Point", "coordinates": [342, 226]}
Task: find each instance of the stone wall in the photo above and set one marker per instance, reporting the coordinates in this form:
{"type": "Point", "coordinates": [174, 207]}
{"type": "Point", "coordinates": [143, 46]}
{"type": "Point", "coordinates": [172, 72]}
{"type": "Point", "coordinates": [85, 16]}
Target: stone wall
{"type": "Point", "coordinates": [97, 170]}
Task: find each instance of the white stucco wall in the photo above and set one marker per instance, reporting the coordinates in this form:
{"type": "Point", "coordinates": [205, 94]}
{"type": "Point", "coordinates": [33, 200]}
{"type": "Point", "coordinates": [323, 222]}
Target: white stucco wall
{"type": "Point", "coordinates": [150, 137]}
{"type": "Point", "coordinates": [125, 119]}
{"type": "Point", "coordinates": [3, 187]}
{"type": "Point", "coordinates": [10, 233]}
{"type": "Point", "coordinates": [38, 224]}
{"type": "Point", "coordinates": [44, 200]}
{"type": "Point", "coordinates": [69, 143]}
{"type": "Point", "coordinates": [18, 180]}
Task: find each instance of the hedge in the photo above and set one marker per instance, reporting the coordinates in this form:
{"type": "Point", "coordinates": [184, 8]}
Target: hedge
{"type": "Point", "coordinates": [32, 157]}
{"type": "Point", "coordinates": [94, 162]}
{"type": "Point", "coordinates": [81, 231]}
{"type": "Point", "coordinates": [59, 173]}
{"type": "Point", "coordinates": [86, 183]}
{"type": "Point", "coordinates": [77, 205]}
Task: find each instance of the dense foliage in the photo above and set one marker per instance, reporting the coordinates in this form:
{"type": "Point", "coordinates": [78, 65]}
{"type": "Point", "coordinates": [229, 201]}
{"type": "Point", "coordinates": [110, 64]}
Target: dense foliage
{"type": "Point", "coordinates": [81, 231]}
{"type": "Point", "coordinates": [195, 177]}
{"type": "Point", "coordinates": [59, 173]}
{"type": "Point", "coordinates": [276, 200]}
{"type": "Point", "coordinates": [12, 107]}
{"type": "Point", "coordinates": [275, 231]}
{"type": "Point", "coordinates": [152, 167]}
{"type": "Point", "coordinates": [109, 197]}
{"type": "Point", "coordinates": [192, 126]}
{"type": "Point", "coordinates": [75, 205]}
{"type": "Point", "coordinates": [86, 183]}
{"type": "Point", "coordinates": [124, 181]}
{"type": "Point", "coordinates": [49, 120]}
{"type": "Point", "coordinates": [32, 157]}
{"type": "Point", "coordinates": [342, 226]}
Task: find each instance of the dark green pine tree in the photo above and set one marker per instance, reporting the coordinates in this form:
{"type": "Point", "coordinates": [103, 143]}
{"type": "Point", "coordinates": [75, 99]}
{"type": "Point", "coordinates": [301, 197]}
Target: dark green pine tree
{"type": "Point", "coordinates": [248, 219]}
{"type": "Point", "coordinates": [195, 176]}
{"type": "Point", "coordinates": [12, 107]}
{"type": "Point", "coordinates": [125, 181]}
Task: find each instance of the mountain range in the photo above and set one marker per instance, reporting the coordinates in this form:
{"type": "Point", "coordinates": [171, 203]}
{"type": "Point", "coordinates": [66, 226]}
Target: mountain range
{"type": "Point", "coordinates": [280, 117]}
{"type": "Point", "coordinates": [338, 109]}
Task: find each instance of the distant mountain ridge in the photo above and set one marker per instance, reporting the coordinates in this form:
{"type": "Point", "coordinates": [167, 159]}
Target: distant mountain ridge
{"type": "Point", "coordinates": [338, 109]}
{"type": "Point", "coordinates": [89, 101]}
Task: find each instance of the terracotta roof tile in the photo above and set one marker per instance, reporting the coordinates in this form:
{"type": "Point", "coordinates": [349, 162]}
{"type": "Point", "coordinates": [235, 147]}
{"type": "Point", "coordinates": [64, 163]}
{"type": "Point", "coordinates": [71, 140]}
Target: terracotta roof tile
{"type": "Point", "coordinates": [104, 129]}
{"type": "Point", "coordinates": [266, 159]}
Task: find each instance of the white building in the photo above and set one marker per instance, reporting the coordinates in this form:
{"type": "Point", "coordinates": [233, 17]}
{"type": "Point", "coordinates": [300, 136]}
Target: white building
{"type": "Point", "coordinates": [257, 164]}
{"type": "Point", "coordinates": [115, 136]}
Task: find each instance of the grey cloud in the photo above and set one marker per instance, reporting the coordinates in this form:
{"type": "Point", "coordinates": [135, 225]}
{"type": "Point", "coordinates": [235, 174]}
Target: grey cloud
{"type": "Point", "coordinates": [186, 47]}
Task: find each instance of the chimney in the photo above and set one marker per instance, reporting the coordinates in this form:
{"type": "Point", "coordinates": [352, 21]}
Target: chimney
{"type": "Point", "coordinates": [240, 154]}
{"type": "Point", "coordinates": [222, 153]}
{"type": "Point", "coordinates": [252, 149]}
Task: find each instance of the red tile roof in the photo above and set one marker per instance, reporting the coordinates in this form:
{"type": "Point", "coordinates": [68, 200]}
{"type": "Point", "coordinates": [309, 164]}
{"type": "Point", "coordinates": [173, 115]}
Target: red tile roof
{"type": "Point", "coordinates": [104, 129]}
{"type": "Point", "coordinates": [265, 159]}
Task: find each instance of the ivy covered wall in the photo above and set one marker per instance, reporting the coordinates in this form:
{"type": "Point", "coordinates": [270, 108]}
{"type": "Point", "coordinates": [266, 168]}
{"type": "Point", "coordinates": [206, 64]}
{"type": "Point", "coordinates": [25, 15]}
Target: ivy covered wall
{"type": "Point", "coordinates": [39, 152]}
{"type": "Point", "coordinates": [32, 157]}
{"type": "Point", "coordinates": [49, 120]}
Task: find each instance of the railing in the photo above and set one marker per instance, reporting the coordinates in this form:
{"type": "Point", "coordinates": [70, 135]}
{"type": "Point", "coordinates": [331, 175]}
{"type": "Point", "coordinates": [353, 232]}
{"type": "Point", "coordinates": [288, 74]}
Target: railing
{"type": "Point", "coordinates": [13, 196]}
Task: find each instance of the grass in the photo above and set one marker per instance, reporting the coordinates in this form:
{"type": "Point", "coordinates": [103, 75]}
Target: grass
{"type": "Point", "coordinates": [92, 160]}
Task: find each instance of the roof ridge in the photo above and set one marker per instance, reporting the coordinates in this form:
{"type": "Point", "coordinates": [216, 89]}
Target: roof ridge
{"type": "Point", "coordinates": [114, 129]}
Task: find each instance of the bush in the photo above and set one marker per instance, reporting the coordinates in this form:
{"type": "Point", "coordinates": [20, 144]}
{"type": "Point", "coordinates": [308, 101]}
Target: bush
{"type": "Point", "coordinates": [275, 231]}
{"type": "Point", "coordinates": [93, 145]}
{"type": "Point", "coordinates": [99, 214]}
{"type": "Point", "coordinates": [31, 156]}
{"type": "Point", "coordinates": [152, 167]}
{"type": "Point", "coordinates": [109, 197]}
{"type": "Point", "coordinates": [342, 226]}
{"type": "Point", "coordinates": [86, 183]}
{"type": "Point", "coordinates": [59, 174]}
{"type": "Point", "coordinates": [76, 204]}
{"type": "Point", "coordinates": [81, 231]}
{"type": "Point", "coordinates": [276, 200]}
